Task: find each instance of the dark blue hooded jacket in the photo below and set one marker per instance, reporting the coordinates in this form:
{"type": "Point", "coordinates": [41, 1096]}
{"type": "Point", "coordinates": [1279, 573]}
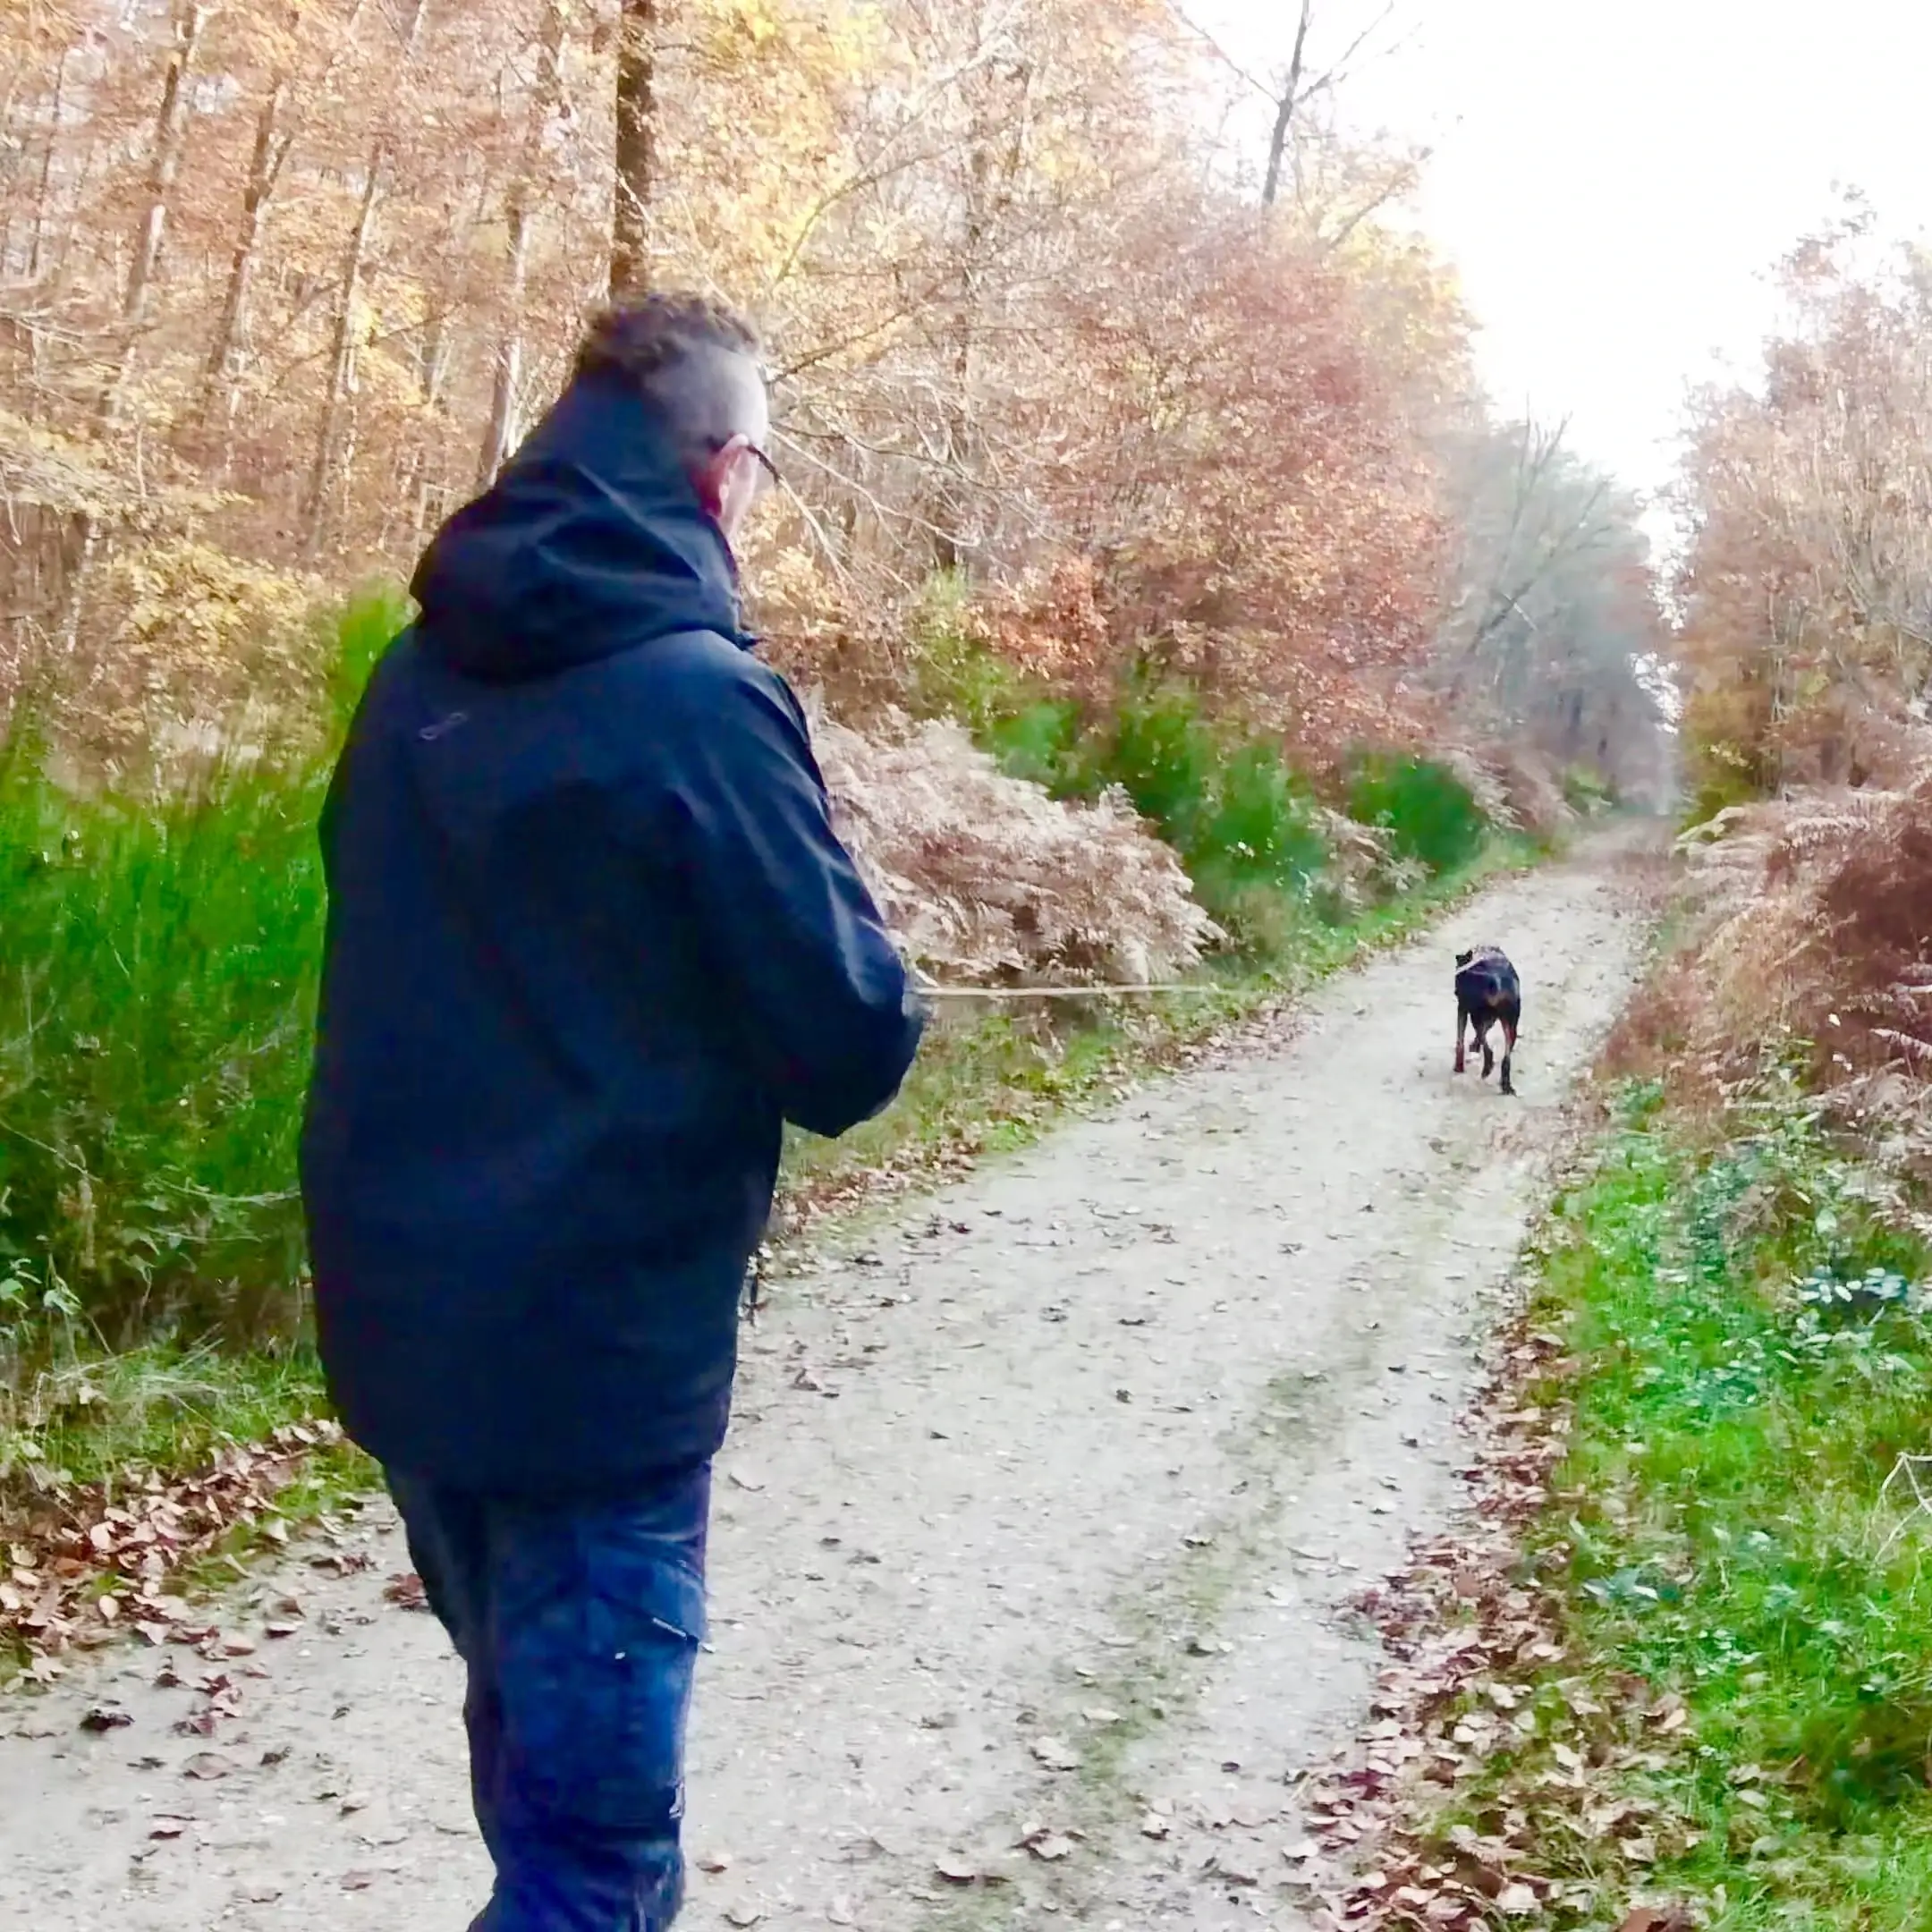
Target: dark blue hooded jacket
{"type": "Point", "coordinates": [592, 939]}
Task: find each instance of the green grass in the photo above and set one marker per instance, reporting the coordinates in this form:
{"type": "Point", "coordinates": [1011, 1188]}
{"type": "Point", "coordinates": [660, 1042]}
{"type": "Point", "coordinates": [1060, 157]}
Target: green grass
{"type": "Point", "coordinates": [1430, 815]}
{"type": "Point", "coordinates": [1751, 1367]}
{"type": "Point", "coordinates": [100, 1423]}
{"type": "Point", "coordinates": [91, 1430]}
{"type": "Point", "coordinates": [153, 1029]}
{"type": "Point", "coordinates": [1587, 793]}
{"type": "Point", "coordinates": [155, 1002]}
{"type": "Point", "coordinates": [949, 672]}
{"type": "Point", "coordinates": [89, 1420]}
{"type": "Point", "coordinates": [1241, 818]}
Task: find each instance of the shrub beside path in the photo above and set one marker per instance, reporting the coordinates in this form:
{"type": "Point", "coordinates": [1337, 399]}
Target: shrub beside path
{"type": "Point", "coordinates": [1032, 1540]}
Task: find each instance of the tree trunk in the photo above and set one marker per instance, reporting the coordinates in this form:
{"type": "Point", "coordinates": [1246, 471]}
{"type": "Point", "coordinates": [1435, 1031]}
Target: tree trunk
{"type": "Point", "coordinates": [171, 127]}
{"type": "Point", "coordinates": [264, 163]}
{"type": "Point", "coordinates": [500, 432]}
{"type": "Point", "coordinates": [637, 148]}
{"type": "Point", "coordinates": [342, 351]}
{"type": "Point", "coordinates": [343, 346]}
{"type": "Point", "coordinates": [274, 139]}
{"type": "Point", "coordinates": [34, 253]}
{"type": "Point", "coordinates": [1003, 102]}
{"type": "Point", "coordinates": [1289, 99]}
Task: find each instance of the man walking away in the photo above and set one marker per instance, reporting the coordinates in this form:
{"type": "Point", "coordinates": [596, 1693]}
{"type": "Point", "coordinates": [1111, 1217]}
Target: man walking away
{"type": "Point", "coordinates": [591, 941]}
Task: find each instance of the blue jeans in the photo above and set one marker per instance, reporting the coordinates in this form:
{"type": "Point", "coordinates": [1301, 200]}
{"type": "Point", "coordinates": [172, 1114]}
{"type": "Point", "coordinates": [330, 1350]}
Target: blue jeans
{"type": "Point", "coordinates": [579, 1622]}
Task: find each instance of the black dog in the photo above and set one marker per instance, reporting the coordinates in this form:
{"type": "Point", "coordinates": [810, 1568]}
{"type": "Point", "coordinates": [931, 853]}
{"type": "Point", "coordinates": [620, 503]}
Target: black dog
{"type": "Point", "coordinates": [1486, 990]}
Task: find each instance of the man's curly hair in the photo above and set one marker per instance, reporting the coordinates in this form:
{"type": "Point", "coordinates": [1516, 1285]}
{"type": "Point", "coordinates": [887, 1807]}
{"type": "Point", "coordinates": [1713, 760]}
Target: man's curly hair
{"type": "Point", "coordinates": [678, 350]}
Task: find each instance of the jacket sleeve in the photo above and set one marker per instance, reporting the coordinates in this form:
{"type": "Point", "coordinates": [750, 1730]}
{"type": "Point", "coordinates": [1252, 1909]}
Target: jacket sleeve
{"type": "Point", "coordinates": [828, 1012]}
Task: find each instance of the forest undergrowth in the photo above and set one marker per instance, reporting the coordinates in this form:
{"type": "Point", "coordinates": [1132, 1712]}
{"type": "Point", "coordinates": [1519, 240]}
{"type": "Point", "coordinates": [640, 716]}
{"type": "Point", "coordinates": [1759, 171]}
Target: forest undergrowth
{"type": "Point", "coordinates": [1672, 1669]}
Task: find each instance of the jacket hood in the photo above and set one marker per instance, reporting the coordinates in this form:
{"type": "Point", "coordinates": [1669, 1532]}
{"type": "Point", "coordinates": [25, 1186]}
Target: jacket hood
{"type": "Point", "coordinates": [590, 542]}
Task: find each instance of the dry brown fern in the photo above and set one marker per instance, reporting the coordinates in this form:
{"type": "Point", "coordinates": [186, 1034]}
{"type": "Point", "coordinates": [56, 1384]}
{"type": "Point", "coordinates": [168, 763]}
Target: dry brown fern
{"type": "Point", "coordinates": [1817, 930]}
{"type": "Point", "coordinates": [987, 879]}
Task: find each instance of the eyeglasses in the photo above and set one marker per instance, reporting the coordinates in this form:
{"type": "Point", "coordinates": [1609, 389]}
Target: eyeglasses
{"type": "Point", "coordinates": [720, 443]}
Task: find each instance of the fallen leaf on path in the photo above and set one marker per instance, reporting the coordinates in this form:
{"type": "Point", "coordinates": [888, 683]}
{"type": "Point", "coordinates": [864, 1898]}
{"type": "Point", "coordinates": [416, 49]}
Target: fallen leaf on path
{"type": "Point", "coordinates": [132, 1534]}
{"type": "Point", "coordinates": [1050, 1847]}
{"type": "Point", "coordinates": [958, 1871]}
{"type": "Point", "coordinates": [1656, 1919]}
{"type": "Point", "coordinates": [106, 1717]}
{"type": "Point", "coordinates": [1054, 1754]}
{"type": "Point", "coordinates": [406, 1591]}
{"type": "Point", "coordinates": [209, 1766]}
{"type": "Point", "coordinates": [1517, 1900]}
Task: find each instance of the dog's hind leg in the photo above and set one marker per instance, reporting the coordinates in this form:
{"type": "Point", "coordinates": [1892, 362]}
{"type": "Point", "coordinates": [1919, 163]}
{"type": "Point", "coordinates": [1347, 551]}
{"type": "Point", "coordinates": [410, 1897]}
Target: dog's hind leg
{"type": "Point", "coordinates": [1509, 1049]}
{"type": "Point", "coordinates": [1482, 1040]}
{"type": "Point", "coordinates": [1461, 1020]}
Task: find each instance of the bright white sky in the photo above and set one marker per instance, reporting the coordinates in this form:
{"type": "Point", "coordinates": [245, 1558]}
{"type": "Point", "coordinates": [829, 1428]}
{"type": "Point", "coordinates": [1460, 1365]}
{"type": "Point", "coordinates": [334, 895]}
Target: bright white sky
{"type": "Point", "coordinates": [1612, 179]}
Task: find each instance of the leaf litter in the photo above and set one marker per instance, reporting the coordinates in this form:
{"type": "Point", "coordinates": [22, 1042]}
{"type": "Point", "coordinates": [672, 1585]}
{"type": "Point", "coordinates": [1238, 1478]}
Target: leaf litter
{"type": "Point", "coordinates": [1472, 1638]}
{"type": "Point", "coordinates": [85, 1563]}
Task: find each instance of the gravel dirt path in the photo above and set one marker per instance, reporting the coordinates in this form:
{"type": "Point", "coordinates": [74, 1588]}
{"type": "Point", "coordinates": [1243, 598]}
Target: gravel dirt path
{"type": "Point", "coordinates": [1032, 1538]}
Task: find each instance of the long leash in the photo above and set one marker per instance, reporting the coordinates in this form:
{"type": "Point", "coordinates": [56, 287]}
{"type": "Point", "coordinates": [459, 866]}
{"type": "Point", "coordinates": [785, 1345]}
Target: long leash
{"type": "Point", "coordinates": [928, 990]}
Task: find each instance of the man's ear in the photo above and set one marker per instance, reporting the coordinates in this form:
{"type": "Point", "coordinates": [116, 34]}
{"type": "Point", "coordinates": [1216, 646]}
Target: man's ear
{"type": "Point", "coordinates": [712, 474]}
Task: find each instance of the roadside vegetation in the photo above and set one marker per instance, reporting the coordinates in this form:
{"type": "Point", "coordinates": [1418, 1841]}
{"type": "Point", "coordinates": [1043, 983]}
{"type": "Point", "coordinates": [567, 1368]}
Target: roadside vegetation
{"type": "Point", "coordinates": [1742, 1530]}
{"type": "Point", "coordinates": [1676, 1670]}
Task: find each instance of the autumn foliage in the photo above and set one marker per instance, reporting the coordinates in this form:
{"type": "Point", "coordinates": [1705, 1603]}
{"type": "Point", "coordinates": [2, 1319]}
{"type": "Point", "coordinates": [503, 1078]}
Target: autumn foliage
{"type": "Point", "coordinates": [1807, 585]}
{"type": "Point", "coordinates": [1806, 593]}
{"type": "Point", "coordinates": [283, 283]}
